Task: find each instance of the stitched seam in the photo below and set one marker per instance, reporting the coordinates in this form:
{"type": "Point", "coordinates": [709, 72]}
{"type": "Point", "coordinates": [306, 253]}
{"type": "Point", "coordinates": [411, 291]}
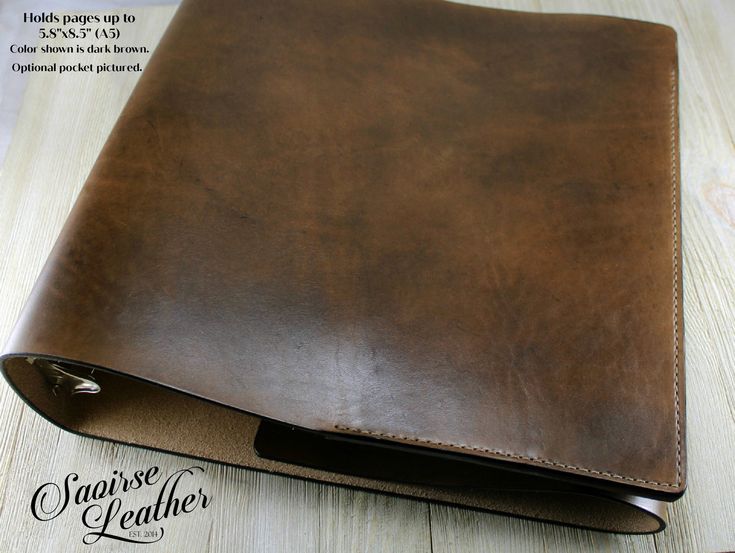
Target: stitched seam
{"type": "Point", "coordinates": [502, 453]}
{"type": "Point", "coordinates": [675, 219]}
{"type": "Point", "coordinates": [539, 460]}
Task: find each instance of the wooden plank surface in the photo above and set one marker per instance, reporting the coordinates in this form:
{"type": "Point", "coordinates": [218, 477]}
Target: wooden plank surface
{"type": "Point", "coordinates": [62, 125]}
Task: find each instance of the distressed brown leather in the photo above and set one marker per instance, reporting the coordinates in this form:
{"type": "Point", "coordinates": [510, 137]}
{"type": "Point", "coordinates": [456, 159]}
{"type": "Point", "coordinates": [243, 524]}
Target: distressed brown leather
{"type": "Point", "coordinates": [422, 224]}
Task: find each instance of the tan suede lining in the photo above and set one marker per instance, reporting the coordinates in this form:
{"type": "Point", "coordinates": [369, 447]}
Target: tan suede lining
{"type": "Point", "coordinates": [137, 413]}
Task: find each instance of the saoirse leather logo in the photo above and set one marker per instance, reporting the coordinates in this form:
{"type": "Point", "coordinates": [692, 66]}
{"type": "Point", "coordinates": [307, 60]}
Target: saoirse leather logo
{"type": "Point", "coordinates": [103, 514]}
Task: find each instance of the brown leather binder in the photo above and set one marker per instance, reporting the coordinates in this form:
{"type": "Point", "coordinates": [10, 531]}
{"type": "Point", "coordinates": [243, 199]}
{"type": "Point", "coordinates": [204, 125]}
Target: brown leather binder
{"type": "Point", "coordinates": [411, 246]}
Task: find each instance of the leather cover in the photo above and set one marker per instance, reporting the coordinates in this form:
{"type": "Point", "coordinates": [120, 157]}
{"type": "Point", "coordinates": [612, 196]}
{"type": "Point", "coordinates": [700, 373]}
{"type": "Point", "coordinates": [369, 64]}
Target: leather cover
{"type": "Point", "coordinates": [400, 233]}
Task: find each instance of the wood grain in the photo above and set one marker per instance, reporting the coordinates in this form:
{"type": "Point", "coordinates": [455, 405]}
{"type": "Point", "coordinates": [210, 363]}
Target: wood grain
{"type": "Point", "coordinates": [62, 126]}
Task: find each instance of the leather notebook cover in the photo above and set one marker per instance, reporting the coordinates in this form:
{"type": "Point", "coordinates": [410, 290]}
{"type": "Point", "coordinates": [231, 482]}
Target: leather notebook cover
{"type": "Point", "coordinates": [411, 246]}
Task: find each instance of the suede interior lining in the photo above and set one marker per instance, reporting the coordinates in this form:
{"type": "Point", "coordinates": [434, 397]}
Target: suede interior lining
{"type": "Point", "coordinates": [143, 414]}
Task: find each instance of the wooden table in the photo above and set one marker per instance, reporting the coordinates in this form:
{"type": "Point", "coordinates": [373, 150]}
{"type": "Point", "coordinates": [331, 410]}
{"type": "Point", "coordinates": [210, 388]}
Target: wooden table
{"type": "Point", "coordinates": [63, 123]}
